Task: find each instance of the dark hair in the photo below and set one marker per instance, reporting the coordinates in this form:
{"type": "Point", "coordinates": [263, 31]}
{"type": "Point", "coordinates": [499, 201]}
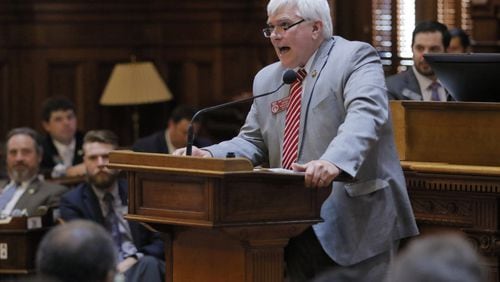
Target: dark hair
{"type": "Point", "coordinates": [57, 103]}
{"type": "Point", "coordinates": [432, 26]}
{"type": "Point", "coordinates": [438, 257]}
{"type": "Point", "coordinates": [460, 33]}
{"type": "Point", "coordinates": [182, 112]}
{"type": "Point", "coordinates": [28, 132]}
{"type": "Point", "coordinates": [101, 136]}
{"type": "Point", "coordinates": [78, 251]}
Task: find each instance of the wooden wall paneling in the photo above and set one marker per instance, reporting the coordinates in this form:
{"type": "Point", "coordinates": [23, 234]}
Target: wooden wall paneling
{"type": "Point", "coordinates": [486, 25]}
{"type": "Point", "coordinates": [353, 20]}
{"type": "Point", "coordinates": [62, 79]}
{"type": "Point", "coordinates": [425, 10]}
{"type": "Point", "coordinates": [5, 79]}
{"type": "Point", "coordinates": [190, 85]}
{"type": "Point", "coordinates": [484, 29]}
{"type": "Point", "coordinates": [208, 80]}
{"type": "Point", "coordinates": [207, 51]}
{"type": "Point", "coordinates": [24, 99]}
{"type": "Point", "coordinates": [86, 82]}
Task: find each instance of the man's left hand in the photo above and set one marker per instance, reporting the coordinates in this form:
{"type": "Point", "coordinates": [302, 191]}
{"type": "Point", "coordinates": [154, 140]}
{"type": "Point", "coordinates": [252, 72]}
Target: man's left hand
{"type": "Point", "coordinates": [125, 264]}
{"type": "Point", "coordinates": [76, 170]}
{"type": "Point", "coordinates": [318, 173]}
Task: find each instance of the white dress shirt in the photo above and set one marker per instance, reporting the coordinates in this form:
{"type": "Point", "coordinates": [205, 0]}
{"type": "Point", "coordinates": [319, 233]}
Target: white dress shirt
{"type": "Point", "coordinates": [425, 83]}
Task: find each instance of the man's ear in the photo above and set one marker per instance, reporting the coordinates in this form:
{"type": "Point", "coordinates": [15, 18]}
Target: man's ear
{"type": "Point", "coordinates": [171, 124]}
{"type": "Point", "coordinates": [317, 29]}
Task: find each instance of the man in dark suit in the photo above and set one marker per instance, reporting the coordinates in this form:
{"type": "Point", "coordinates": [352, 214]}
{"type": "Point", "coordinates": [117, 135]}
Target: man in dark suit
{"type": "Point", "coordinates": [104, 200]}
{"type": "Point", "coordinates": [25, 193]}
{"type": "Point", "coordinates": [173, 137]}
{"type": "Point", "coordinates": [63, 143]}
{"type": "Point", "coordinates": [419, 82]}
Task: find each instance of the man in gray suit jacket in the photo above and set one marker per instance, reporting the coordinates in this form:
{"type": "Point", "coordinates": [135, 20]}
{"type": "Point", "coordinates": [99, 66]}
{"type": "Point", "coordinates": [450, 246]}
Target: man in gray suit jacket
{"type": "Point", "coordinates": [416, 82]}
{"type": "Point", "coordinates": [25, 193]}
{"type": "Point", "coordinates": [344, 129]}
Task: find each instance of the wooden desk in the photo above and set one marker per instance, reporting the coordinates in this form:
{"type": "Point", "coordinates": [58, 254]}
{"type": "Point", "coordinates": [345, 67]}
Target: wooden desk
{"type": "Point", "coordinates": [450, 155]}
{"type": "Point", "coordinates": [19, 241]}
{"type": "Point", "coordinates": [465, 202]}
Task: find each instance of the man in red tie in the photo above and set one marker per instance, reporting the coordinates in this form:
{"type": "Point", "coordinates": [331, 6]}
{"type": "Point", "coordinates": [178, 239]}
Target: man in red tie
{"type": "Point", "coordinates": [334, 120]}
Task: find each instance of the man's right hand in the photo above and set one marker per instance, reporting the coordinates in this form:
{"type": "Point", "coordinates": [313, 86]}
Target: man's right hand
{"type": "Point", "coordinates": [196, 152]}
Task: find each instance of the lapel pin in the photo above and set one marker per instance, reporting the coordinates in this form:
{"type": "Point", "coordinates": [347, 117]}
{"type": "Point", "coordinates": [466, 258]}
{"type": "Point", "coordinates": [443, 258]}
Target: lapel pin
{"type": "Point", "coordinates": [314, 73]}
{"type": "Point", "coordinates": [31, 191]}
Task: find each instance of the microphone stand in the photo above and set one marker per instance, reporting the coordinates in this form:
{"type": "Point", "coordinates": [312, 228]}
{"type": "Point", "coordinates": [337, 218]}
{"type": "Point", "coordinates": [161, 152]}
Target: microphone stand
{"type": "Point", "coordinates": [190, 133]}
{"type": "Point", "coordinates": [288, 77]}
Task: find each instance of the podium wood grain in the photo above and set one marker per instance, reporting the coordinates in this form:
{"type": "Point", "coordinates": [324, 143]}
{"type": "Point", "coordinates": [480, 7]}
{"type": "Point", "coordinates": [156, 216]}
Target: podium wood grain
{"type": "Point", "coordinates": [220, 223]}
{"type": "Point", "coordinates": [451, 160]}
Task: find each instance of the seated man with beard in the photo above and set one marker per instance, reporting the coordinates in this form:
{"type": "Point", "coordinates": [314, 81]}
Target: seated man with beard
{"type": "Point", "coordinates": [25, 193]}
{"type": "Point", "coordinates": [103, 199]}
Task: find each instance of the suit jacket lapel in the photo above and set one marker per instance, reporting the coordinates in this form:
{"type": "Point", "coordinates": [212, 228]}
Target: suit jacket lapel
{"type": "Point", "coordinates": [312, 77]}
{"type": "Point", "coordinates": [412, 89]}
{"type": "Point", "coordinates": [30, 192]}
{"type": "Point", "coordinates": [161, 143]}
{"type": "Point", "coordinates": [92, 204]}
{"type": "Point", "coordinates": [78, 154]}
{"type": "Point", "coordinates": [3, 183]}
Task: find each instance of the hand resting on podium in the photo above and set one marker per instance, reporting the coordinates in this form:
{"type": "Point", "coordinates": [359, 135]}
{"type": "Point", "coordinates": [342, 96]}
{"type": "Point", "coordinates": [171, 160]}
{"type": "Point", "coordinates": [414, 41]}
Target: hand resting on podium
{"type": "Point", "coordinates": [197, 152]}
{"type": "Point", "coordinates": [317, 173]}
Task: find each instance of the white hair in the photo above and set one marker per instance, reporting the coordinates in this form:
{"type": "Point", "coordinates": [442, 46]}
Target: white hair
{"type": "Point", "coordinates": [315, 10]}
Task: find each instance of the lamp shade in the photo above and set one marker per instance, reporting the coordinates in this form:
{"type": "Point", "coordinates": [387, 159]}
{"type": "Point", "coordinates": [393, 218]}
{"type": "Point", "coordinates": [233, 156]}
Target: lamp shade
{"type": "Point", "coordinates": [135, 83]}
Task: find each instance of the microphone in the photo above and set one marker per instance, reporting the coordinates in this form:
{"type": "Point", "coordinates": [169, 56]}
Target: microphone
{"type": "Point", "coordinates": [288, 78]}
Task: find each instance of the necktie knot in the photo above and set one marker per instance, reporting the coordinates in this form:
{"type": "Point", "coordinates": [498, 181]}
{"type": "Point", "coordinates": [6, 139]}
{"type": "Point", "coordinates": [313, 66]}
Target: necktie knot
{"type": "Point", "coordinates": [434, 85]}
{"type": "Point", "coordinates": [301, 74]}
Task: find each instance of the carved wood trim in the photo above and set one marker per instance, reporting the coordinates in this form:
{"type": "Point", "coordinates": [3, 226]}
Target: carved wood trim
{"type": "Point", "coordinates": [455, 183]}
{"type": "Point", "coordinates": [486, 242]}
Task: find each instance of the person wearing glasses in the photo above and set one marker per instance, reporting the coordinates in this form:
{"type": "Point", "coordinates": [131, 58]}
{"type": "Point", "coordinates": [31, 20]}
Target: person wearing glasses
{"type": "Point", "coordinates": [333, 120]}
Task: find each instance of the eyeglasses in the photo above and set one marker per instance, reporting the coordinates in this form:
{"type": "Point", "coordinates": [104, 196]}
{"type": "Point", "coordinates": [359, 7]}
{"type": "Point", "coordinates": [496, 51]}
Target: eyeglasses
{"type": "Point", "coordinates": [281, 28]}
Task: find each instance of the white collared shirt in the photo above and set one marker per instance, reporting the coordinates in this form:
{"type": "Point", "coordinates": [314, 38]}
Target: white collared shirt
{"type": "Point", "coordinates": [66, 152]}
{"type": "Point", "coordinates": [307, 68]}
{"type": "Point", "coordinates": [425, 83]}
{"type": "Point", "coordinates": [170, 146]}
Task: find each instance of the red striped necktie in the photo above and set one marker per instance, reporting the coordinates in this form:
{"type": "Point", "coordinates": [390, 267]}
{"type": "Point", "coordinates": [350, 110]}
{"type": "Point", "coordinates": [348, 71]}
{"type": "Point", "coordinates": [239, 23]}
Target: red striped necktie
{"type": "Point", "coordinates": [292, 123]}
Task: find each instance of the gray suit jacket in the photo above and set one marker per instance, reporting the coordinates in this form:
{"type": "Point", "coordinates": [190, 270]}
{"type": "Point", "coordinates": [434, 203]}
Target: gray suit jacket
{"type": "Point", "coordinates": [404, 86]}
{"type": "Point", "coordinates": [39, 193]}
{"type": "Point", "coordinates": [344, 120]}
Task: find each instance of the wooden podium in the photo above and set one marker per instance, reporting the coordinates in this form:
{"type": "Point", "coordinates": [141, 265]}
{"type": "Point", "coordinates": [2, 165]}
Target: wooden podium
{"type": "Point", "coordinates": [450, 155]}
{"type": "Point", "coordinates": [223, 221]}
{"type": "Point", "coordinates": [19, 239]}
